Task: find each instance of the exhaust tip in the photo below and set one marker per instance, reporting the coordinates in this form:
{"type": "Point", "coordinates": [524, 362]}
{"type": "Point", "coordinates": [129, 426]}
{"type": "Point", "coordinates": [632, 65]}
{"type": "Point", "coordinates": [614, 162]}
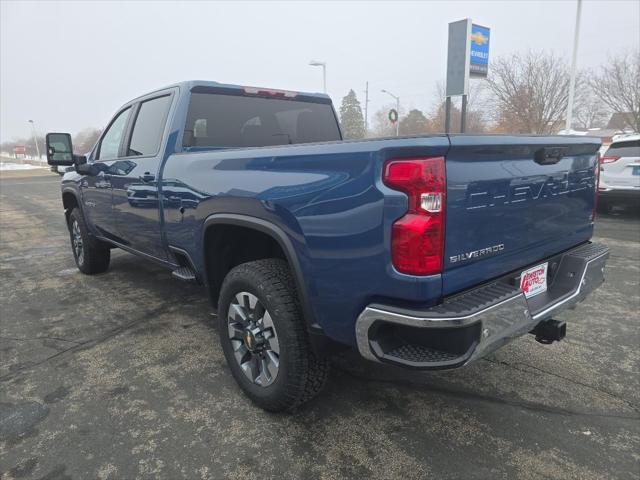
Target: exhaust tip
{"type": "Point", "coordinates": [550, 331]}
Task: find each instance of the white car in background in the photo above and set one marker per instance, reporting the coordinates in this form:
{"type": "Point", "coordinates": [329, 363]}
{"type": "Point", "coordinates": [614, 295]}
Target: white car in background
{"type": "Point", "coordinates": [60, 169]}
{"type": "Point", "coordinates": [620, 173]}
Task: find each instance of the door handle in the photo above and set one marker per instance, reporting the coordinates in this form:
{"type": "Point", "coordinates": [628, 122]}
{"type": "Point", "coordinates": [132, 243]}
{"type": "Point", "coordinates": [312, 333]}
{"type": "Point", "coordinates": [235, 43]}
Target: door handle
{"type": "Point", "coordinates": [147, 177]}
{"type": "Point", "coordinates": [549, 155]}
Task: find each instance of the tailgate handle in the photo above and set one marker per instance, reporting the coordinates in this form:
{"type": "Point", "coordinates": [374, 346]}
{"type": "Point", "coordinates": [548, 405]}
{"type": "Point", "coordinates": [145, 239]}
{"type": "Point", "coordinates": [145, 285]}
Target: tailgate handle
{"type": "Point", "coordinates": [549, 155]}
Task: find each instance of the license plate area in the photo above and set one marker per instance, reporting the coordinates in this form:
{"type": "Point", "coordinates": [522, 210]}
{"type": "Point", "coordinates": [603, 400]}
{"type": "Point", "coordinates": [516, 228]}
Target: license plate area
{"type": "Point", "coordinates": [533, 281]}
{"type": "Point", "coordinates": [635, 170]}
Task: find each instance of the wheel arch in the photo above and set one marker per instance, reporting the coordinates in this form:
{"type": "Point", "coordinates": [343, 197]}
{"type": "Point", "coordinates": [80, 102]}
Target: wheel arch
{"type": "Point", "coordinates": [279, 236]}
{"type": "Point", "coordinates": [70, 201]}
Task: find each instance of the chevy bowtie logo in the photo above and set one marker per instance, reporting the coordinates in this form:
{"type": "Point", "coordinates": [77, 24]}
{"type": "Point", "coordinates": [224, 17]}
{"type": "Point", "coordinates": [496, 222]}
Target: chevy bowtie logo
{"type": "Point", "coordinates": [479, 39]}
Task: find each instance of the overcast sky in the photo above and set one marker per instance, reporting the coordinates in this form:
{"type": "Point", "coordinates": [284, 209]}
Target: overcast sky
{"type": "Point", "coordinates": [70, 65]}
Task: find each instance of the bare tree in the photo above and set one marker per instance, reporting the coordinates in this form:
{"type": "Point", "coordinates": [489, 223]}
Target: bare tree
{"type": "Point", "coordinates": [84, 140]}
{"type": "Point", "coordinates": [382, 127]}
{"type": "Point", "coordinates": [590, 111]}
{"type": "Point", "coordinates": [618, 85]}
{"type": "Point", "coordinates": [30, 147]}
{"type": "Point", "coordinates": [530, 92]}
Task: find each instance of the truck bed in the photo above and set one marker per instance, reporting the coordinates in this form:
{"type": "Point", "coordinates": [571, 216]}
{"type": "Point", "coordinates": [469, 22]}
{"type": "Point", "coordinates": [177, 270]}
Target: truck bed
{"type": "Point", "coordinates": [330, 200]}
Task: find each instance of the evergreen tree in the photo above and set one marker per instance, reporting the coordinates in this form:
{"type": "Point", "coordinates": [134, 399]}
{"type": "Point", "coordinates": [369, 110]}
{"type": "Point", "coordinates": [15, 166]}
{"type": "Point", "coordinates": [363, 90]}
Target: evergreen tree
{"type": "Point", "coordinates": [414, 123]}
{"type": "Point", "coordinates": [351, 118]}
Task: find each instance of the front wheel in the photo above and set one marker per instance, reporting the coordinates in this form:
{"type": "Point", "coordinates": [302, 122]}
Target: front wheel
{"type": "Point", "coordinates": [605, 206]}
{"type": "Point", "coordinates": [91, 255]}
{"type": "Point", "coordinates": [264, 338]}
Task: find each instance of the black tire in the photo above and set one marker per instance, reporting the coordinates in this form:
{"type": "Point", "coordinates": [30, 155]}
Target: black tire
{"type": "Point", "coordinates": [93, 256]}
{"type": "Point", "coordinates": [300, 375]}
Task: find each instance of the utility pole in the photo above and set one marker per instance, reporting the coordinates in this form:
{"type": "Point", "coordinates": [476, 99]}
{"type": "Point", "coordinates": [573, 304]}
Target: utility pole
{"type": "Point", "coordinates": [366, 110]}
{"type": "Point", "coordinates": [572, 82]}
{"type": "Point", "coordinates": [35, 138]}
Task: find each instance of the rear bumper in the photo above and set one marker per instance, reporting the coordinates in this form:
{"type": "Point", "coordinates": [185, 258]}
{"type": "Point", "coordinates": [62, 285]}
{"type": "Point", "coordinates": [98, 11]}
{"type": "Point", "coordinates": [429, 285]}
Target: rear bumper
{"type": "Point", "coordinates": [474, 323]}
{"type": "Point", "coordinates": [619, 194]}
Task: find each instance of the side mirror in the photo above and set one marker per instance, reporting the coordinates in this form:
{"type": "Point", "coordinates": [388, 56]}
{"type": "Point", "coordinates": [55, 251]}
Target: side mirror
{"type": "Point", "coordinates": [59, 149]}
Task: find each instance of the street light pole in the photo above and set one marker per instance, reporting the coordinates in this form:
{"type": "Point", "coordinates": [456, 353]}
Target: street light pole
{"type": "Point", "coordinates": [315, 63]}
{"type": "Point", "coordinates": [35, 138]}
{"type": "Point", "coordinates": [572, 81]}
{"type": "Point", "coordinates": [397, 110]}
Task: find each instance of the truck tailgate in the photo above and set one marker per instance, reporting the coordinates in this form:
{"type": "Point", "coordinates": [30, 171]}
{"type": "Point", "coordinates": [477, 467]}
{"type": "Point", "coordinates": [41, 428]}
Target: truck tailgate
{"type": "Point", "coordinates": [508, 208]}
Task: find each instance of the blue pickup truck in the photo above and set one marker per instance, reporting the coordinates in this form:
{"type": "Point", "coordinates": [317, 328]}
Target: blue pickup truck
{"type": "Point", "coordinates": [426, 252]}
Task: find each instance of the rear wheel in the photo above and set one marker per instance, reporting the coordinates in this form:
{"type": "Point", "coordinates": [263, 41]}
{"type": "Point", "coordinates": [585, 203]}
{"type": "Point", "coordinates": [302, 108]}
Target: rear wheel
{"type": "Point", "coordinates": [604, 206]}
{"type": "Point", "coordinates": [91, 255]}
{"type": "Point", "coordinates": [264, 338]}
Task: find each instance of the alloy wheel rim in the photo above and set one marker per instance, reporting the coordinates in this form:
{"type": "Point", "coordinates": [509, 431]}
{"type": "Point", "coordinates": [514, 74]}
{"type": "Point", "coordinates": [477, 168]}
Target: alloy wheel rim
{"type": "Point", "coordinates": [76, 238]}
{"type": "Point", "coordinates": [254, 339]}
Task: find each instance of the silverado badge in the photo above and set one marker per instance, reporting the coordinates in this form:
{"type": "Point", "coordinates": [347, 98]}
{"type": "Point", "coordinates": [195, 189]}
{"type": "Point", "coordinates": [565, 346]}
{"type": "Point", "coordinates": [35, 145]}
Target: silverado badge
{"type": "Point", "coordinates": [461, 257]}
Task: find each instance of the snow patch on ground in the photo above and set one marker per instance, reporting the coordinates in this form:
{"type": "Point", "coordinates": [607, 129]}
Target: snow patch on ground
{"type": "Point", "coordinates": [5, 166]}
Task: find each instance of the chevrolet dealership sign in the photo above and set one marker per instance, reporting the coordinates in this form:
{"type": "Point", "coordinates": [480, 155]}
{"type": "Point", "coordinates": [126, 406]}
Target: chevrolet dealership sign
{"type": "Point", "coordinates": [467, 56]}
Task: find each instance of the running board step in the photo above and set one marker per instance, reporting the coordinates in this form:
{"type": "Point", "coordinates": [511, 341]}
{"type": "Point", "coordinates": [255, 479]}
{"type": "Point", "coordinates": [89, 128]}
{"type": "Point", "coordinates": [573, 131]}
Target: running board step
{"type": "Point", "coordinates": [185, 274]}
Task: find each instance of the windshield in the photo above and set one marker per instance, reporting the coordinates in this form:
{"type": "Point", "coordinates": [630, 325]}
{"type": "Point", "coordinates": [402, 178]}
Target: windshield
{"type": "Point", "coordinates": [219, 120]}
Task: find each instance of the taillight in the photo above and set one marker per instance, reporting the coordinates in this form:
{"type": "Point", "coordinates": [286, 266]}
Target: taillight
{"type": "Point", "coordinates": [417, 241]}
{"type": "Point", "coordinates": [609, 159]}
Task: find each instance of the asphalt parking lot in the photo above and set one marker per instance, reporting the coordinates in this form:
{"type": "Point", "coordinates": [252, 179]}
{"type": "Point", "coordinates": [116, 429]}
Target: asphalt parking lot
{"type": "Point", "coordinates": [121, 376]}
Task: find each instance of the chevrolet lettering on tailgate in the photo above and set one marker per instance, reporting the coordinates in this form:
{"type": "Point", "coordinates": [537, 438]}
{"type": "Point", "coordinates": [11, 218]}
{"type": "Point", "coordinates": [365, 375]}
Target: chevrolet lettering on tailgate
{"type": "Point", "coordinates": [493, 193]}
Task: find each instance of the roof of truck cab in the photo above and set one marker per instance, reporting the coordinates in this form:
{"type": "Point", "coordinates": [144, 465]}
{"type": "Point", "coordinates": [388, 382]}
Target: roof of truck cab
{"type": "Point", "coordinates": [191, 84]}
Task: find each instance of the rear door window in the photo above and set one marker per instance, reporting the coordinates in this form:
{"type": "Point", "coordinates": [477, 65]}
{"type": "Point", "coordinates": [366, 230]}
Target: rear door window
{"type": "Point", "coordinates": [218, 120]}
{"type": "Point", "coordinates": [630, 148]}
{"type": "Point", "coordinates": [149, 126]}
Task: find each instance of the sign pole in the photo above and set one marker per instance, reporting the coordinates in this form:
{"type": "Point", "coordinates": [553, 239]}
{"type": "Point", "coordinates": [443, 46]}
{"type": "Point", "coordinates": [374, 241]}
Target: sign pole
{"type": "Point", "coordinates": [463, 114]}
{"type": "Point", "coordinates": [447, 115]}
